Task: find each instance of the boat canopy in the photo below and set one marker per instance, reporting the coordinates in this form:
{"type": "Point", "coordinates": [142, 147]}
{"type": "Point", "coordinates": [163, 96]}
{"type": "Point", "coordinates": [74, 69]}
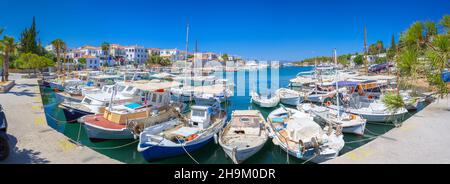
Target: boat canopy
{"type": "Point", "coordinates": [152, 85]}
{"type": "Point", "coordinates": [346, 83]}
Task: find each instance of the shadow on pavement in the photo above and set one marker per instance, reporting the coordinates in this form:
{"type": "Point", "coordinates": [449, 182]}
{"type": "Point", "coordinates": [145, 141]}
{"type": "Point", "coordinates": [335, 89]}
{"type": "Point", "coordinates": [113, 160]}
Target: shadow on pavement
{"type": "Point", "coordinates": [22, 156]}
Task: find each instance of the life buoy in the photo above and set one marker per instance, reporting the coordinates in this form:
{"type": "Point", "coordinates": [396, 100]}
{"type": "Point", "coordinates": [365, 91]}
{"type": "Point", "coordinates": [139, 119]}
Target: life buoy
{"type": "Point", "coordinates": [370, 97]}
{"type": "Point", "coordinates": [328, 104]}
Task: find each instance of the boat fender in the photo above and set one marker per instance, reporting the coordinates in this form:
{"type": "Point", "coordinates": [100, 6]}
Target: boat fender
{"type": "Point", "coordinates": [338, 130]}
{"type": "Point", "coordinates": [216, 139]}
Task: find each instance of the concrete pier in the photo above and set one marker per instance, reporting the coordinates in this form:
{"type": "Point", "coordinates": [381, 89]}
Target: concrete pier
{"type": "Point", "coordinates": [31, 139]}
{"type": "Point", "coordinates": [423, 138]}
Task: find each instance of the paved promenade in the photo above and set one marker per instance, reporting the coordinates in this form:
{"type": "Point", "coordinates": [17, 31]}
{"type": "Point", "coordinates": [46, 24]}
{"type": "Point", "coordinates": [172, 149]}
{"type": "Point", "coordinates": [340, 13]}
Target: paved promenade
{"type": "Point", "coordinates": [423, 138]}
{"type": "Point", "coordinates": [31, 139]}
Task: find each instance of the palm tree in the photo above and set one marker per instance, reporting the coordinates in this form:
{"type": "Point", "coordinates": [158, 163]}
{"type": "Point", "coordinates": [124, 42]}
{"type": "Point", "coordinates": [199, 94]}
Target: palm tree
{"type": "Point", "coordinates": [8, 48]}
{"type": "Point", "coordinates": [64, 48]}
{"type": "Point", "coordinates": [105, 49]}
{"type": "Point", "coordinates": [57, 45]}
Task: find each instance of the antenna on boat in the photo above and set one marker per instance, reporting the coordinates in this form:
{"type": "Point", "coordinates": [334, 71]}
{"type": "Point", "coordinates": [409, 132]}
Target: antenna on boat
{"type": "Point", "coordinates": [187, 49]}
{"type": "Point", "coordinates": [365, 51]}
{"type": "Point", "coordinates": [337, 84]}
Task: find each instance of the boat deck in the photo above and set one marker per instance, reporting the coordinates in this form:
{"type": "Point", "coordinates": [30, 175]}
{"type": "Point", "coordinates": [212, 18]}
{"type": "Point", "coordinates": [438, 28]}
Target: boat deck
{"type": "Point", "coordinates": [99, 120]}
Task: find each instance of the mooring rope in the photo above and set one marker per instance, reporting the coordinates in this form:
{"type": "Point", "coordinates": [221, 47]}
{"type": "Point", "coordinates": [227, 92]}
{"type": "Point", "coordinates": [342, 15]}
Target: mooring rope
{"type": "Point", "coordinates": [115, 147]}
{"type": "Point", "coordinates": [187, 151]}
{"type": "Point", "coordinates": [314, 156]}
{"type": "Point", "coordinates": [60, 121]}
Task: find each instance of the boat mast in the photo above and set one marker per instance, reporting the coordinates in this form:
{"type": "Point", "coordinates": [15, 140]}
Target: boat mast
{"type": "Point", "coordinates": [187, 45]}
{"type": "Point", "coordinates": [186, 54]}
{"type": "Point", "coordinates": [112, 96]}
{"type": "Point", "coordinates": [365, 52]}
{"type": "Point", "coordinates": [337, 86]}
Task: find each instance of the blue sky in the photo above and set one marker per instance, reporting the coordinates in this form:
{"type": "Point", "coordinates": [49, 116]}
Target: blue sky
{"type": "Point", "coordinates": [253, 29]}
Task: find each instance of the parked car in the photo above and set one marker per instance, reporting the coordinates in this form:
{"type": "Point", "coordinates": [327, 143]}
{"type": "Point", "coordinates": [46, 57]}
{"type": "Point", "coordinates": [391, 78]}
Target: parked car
{"type": "Point", "coordinates": [380, 67]}
{"type": "Point", "coordinates": [4, 145]}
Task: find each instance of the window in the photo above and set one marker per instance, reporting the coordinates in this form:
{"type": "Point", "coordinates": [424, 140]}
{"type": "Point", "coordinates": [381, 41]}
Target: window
{"type": "Point", "coordinates": [159, 99]}
{"type": "Point", "coordinates": [198, 113]}
{"type": "Point", "coordinates": [154, 97]}
{"type": "Point", "coordinates": [129, 88]}
{"type": "Point", "coordinates": [87, 100]}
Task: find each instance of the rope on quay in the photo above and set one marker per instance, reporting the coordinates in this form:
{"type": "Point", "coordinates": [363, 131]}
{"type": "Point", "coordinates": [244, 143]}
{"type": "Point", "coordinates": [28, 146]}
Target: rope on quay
{"type": "Point", "coordinates": [187, 151]}
{"type": "Point", "coordinates": [361, 140]}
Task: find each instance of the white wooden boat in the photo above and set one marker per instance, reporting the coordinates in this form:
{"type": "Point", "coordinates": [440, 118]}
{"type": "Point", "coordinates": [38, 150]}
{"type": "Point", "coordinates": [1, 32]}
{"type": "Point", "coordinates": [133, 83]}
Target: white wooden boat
{"type": "Point", "coordinates": [244, 135]}
{"type": "Point", "coordinates": [296, 133]}
{"type": "Point", "coordinates": [375, 111]}
{"type": "Point", "coordinates": [290, 97]}
{"type": "Point", "coordinates": [351, 123]}
{"type": "Point", "coordinates": [265, 101]}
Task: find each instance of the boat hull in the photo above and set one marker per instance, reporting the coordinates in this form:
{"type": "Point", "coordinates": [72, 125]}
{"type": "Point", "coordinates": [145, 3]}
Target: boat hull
{"type": "Point", "coordinates": [356, 129]}
{"type": "Point", "coordinates": [96, 132]}
{"type": "Point", "coordinates": [381, 117]}
{"type": "Point", "coordinates": [157, 152]}
{"type": "Point", "coordinates": [72, 114]}
{"type": "Point", "coordinates": [241, 154]}
{"type": "Point", "coordinates": [294, 101]}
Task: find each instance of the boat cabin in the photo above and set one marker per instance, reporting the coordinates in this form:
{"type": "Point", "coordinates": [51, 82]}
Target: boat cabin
{"type": "Point", "coordinates": [200, 116]}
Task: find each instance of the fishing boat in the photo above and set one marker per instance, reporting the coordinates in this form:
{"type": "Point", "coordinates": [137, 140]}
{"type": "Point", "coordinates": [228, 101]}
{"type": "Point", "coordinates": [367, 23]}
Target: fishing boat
{"type": "Point", "coordinates": [111, 124]}
{"type": "Point", "coordinates": [412, 103]}
{"type": "Point", "coordinates": [60, 84]}
{"type": "Point", "coordinates": [320, 94]}
{"type": "Point", "coordinates": [209, 95]}
{"type": "Point", "coordinates": [92, 103]}
{"type": "Point", "coordinates": [182, 94]}
{"type": "Point", "coordinates": [290, 97]}
{"type": "Point", "coordinates": [182, 135]}
{"type": "Point", "coordinates": [374, 110]}
{"type": "Point", "coordinates": [268, 101]}
{"type": "Point", "coordinates": [296, 133]}
{"type": "Point", "coordinates": [351, 123]}
{"type": "Point", "coordinates": [244, 135]}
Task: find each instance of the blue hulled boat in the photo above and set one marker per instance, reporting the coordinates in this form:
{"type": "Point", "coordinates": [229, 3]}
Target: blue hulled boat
{"type": "Point", "coordinates": [182, 135]}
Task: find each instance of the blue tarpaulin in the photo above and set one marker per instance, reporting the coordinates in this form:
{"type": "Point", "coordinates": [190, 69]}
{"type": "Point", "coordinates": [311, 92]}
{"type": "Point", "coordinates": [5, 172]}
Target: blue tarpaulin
{"type": "Point", "coordinates": [346, 83]}
{"type": "Point", "coordinates": [446, 76]}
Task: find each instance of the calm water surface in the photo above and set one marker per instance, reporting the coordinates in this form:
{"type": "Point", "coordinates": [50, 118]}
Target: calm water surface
{"type": "Point", "coordinates": [125, 150]}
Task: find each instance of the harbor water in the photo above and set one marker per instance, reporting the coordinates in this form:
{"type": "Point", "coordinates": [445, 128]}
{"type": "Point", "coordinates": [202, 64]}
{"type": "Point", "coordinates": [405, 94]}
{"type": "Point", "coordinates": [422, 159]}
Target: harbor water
{"type": "Point", "coordinates": [125, 150]}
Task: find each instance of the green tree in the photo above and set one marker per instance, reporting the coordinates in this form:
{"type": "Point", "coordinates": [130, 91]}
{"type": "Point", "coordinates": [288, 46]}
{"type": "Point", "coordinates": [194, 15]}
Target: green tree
{"type": "Point", "coordinates": [30, 61]}
{"type": "Point", "coordinates": [438, 54]}
{"type": "Point", "coordinates": [8, 47]}
{"type": "Point", "coordinates": [445, 23]}
{"type": "Point", "coordinates": [393, 101]}
{"type": "Point", "coordinates": [105, 48]}
{"type": "Point", "coordinates": [358, 60]}
{"type": "Point", "coordinates": [430, 30]}
{"type": "Point", "coordinates": [28, 39]}
{"type": "Point", "coordinates": [58, 46]}
{"type": "Point", "coordinates": [81, 62]}
{"type": "Point", "coordinates": [225, 57]}
{"type": "Point", "coordinates": [344, 59]}
{"type": "Point", "coordinates": [390, 54]}
{"type": "Point", "coordinates": [412, 37]}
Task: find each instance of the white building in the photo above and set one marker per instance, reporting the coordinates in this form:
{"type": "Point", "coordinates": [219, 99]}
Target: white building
{"type": "Point", "coordinates": [135, 54]}
{"type": "Point", "coordinates": [172, 54]}
{"type": "Point", "coordinates": [92, 62]}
